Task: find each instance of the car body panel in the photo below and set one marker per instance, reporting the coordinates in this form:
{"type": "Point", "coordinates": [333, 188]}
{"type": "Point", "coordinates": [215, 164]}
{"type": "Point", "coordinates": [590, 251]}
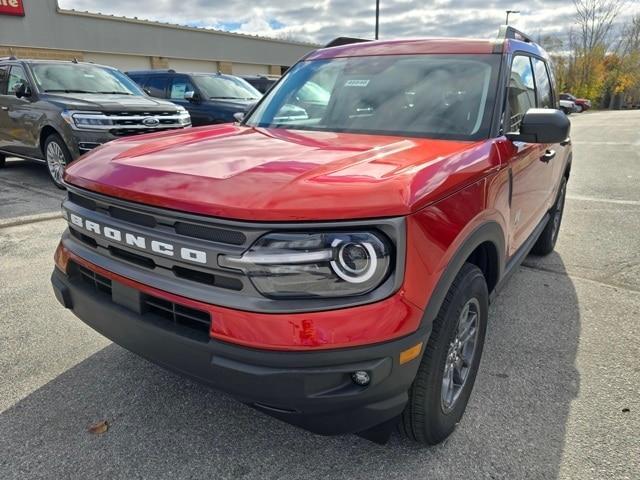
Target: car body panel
{"type": "Point", "coordinates": [248, 173]}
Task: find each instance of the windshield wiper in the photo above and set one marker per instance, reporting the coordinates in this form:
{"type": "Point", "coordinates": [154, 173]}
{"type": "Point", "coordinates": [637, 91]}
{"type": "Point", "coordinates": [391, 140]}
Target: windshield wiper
{"type": "Point", "coordinates": [115, 93]}
{"type": "Point", "coordinates": [66, 90]}
{"type": "Point", "coordinates": [228, 98]}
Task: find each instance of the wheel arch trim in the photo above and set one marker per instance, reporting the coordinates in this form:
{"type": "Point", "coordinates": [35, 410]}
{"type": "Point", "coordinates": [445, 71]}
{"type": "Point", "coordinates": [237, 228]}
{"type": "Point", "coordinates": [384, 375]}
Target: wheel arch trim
{"type": "Point", "coordinates": [491, 232]}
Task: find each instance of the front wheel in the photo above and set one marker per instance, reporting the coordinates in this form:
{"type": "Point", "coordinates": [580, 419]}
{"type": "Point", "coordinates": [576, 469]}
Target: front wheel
{"type": "Point", "coordinates": [445, 378]}
{"type": "Point", "coordinates": [579, 109]}
{"type": "Point", "coordinates": [58, 157]}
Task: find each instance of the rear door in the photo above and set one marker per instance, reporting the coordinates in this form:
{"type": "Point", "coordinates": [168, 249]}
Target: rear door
{"type": "Point", "coordinates": [4, 107]}
{"type": "Point", "coordinates": [531, 174]}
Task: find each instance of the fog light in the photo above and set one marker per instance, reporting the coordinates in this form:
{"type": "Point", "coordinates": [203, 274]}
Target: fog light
{"type": "Point", "coordinates": [361, 378]}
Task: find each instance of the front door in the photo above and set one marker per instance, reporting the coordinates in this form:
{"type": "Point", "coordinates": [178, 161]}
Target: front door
{"type": "Point", "coordinates": [531, 172]}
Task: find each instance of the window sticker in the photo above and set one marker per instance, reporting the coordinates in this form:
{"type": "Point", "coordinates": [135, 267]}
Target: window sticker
{"type": "Point", "coordinates": [356, 83]}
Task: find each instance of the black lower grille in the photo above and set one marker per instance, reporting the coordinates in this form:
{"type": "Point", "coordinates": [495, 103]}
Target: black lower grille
{"type": "Point", "coordinates": [178, 314]}
{"type": "Point", "coordinates": [99, 283]}
{"type": "Point", "coordinates": [186, 321]}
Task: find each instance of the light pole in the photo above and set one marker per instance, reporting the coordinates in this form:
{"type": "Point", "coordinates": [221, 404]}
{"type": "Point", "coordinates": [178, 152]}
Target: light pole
{"type": "Point", "coordinates": [508, 12]}
{"type": "Point", "coordinates": [377, 17]}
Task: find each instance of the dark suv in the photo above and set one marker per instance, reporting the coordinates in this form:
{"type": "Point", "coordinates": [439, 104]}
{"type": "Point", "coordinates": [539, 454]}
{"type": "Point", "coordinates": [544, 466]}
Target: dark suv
{"type": "Point", "coordinates": [54, 111]}
{"type": "Point", "coordinates": [208, 97]}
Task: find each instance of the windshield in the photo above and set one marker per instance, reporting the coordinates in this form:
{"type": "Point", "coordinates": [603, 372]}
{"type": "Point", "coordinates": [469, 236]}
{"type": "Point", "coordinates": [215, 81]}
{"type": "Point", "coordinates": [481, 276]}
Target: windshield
{"type": "Point", "coordinates": [215, 86]}
{"type": "Point", "coordinates": [438, 96]}
{"type": "Point", "coordinates": [82, 78]}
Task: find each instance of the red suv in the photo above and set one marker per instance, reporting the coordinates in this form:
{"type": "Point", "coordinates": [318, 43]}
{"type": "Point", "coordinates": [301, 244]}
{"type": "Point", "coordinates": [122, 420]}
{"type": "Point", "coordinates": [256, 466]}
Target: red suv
{"type": "Point", "coordinates": [329, 261]}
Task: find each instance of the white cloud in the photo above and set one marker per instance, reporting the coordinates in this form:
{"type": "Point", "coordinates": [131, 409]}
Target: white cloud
{"type": "Point", "coordinates": [321, 20]}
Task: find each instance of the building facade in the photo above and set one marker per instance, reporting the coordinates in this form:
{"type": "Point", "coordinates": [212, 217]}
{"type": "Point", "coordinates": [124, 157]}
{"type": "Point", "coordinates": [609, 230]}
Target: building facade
{"type": "Point", "coordinates": [41, 29]}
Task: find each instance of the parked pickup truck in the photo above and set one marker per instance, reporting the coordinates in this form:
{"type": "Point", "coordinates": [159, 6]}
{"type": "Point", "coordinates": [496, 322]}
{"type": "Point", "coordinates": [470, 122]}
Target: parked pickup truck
{"type": "Point", "coordinates": [54, 111]}
{"type": "Point", "coordinates": [331, 267]}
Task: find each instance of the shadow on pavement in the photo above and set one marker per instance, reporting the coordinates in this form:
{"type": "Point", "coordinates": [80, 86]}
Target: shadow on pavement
{"type": "Point", "coordinates": [25, 189]}
{"type": "Point", "coordinates": [163, 426]}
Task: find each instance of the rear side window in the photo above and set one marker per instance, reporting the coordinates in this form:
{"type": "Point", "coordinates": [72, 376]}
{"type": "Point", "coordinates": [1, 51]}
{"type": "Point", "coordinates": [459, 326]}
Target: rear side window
{"type": "Point", "coordinates": [157, 86]}
{"type": "Point", "coordinates": [4, 76]}
{"type": "Point", "coordinates": [522, 91]}
{"type": "Point", "coordinates": [543, 84]}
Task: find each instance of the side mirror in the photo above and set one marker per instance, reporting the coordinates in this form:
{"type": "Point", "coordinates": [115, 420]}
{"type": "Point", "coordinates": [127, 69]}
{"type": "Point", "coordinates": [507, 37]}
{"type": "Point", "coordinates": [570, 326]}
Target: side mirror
{"type": "Point", "coordinates": [147, 91]}
{"type": "Point", "coordinates": [542, 125]}
{"type": "Point", "coordinates": [239, 116]}
{"type": "Point", "coordinates": [22, 90]}
{"type": "Point", "coordinates": [191, 96]}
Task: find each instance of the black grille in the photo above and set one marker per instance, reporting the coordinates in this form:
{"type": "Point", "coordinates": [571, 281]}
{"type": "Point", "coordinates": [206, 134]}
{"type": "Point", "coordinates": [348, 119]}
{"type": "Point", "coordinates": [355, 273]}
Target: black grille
{"type": "Point", "coordinates": [99, 283]}
{"type": "Point", "coordinates": [128, 132]}
{"type": "Point", "coordinates": [86, 239]}
{"type": "Point", "coordinates": [132, 257]}
{"type": "Point", "coordinates": [208, 278]}
{"type": "Point", "coordinates": [186, 321]}
{"type": "Point", "coordinates": [208, 233]}
{"type": "Point", "coordinates": [202, 232]}
{"type": "Point", "coordinates": [133, 217]}
{"type": "Point", "coordinates": [178, 314]}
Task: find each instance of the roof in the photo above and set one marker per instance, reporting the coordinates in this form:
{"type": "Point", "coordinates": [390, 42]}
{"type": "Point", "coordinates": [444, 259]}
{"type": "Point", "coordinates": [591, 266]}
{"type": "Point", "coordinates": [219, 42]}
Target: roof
{"type": "Point", "coordinates": [418, 46]}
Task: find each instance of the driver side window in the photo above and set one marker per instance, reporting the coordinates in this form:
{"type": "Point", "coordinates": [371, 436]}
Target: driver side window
{"type": "Point", "coordinates": [522, 92]}
{"type": "Point", "coordinates": [17, 76]}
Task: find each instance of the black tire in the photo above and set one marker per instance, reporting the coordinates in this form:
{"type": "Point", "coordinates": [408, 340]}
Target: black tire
{"type": "Point", "coordinates": [547, 240]}
{"type": "Point", "coordinates": [57, 156]}
{"type": "Point", "coordinates": [579, 108]}
{"type": "Point", "coordinates": [426, 418]}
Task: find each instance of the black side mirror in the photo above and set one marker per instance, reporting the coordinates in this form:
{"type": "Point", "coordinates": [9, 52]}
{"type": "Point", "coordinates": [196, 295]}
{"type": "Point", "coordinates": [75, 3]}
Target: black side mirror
{"type": "Point", "coordinates": [147, 91]}
{"type": "Point", "coordinates": [542, 125]}
{"type": "Point", "coordinates": [22, 90]}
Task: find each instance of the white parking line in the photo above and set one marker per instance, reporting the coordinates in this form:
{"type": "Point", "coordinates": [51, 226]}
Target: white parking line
{"type": "Point", "coordinates": [583, 198]}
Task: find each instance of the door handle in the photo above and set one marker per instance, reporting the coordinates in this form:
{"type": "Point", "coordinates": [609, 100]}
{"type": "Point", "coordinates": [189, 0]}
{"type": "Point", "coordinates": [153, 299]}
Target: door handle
{"type": "Point", "coordinates": [548, 156]}
{"type": "Point", "coordinates": [5, 108]}
{"type": "Point", "coordinates": [565, 142]}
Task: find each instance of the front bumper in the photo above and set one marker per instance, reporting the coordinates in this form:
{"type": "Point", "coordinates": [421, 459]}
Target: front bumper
{"type": "Point", "coordinates": [312, 389]}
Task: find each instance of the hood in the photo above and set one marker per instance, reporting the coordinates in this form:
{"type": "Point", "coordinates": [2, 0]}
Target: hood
{"type": "Point", "coordinates": [108, 103]}
{"type": "Point", "coordinates": [244, 173]}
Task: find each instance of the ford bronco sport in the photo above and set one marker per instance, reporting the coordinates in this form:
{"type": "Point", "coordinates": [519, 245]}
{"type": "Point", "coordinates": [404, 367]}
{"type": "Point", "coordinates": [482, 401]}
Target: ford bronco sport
{"type": "Point", "coordinates": [332, 267]}
{"type": "Point", "coordinates": [54, 111]}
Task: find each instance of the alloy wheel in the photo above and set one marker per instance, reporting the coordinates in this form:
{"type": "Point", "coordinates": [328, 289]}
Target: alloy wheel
{"type": "Point", "coordinates": [56, 161]}
{"type": "Point", "coordinates": [460, 355]}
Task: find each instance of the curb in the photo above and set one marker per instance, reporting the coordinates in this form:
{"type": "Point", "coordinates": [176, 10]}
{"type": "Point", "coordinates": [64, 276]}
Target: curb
{"type": "Point", "coordinates": [40, 217]}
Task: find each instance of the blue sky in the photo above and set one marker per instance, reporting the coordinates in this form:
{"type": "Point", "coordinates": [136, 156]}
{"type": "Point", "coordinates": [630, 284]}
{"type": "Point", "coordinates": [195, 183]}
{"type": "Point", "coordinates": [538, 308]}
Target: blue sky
{"type": "Point", "coordinates": [320, 20]}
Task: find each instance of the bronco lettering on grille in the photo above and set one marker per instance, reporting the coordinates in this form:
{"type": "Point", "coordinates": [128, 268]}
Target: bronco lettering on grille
{"type": "Point", "coordinates": [138, 241]}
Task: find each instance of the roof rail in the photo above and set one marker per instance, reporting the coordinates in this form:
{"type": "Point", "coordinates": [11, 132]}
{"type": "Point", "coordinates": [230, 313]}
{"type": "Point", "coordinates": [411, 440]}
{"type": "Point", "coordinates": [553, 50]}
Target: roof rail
{"type": "Point", "coordinates": [12, 57]}
{"type": "Point", "coordinates": [507, 31]}
{"type": "Point", "coordinates": [336, 42]}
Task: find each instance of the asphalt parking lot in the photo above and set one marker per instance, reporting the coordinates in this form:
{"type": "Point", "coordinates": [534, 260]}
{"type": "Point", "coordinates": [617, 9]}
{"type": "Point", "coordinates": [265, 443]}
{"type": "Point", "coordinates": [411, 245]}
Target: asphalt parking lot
{"type": "Point", "coordinates": [557, 396]}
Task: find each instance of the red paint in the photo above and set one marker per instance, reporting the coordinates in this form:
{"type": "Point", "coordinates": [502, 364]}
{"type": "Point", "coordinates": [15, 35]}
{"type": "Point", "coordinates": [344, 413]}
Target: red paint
{"type": "Point", "coordinates": [394, 317]}
{"type": "Point", "coordinates": [243, 173]}
{"type": "Point", "coordinates": [12, 7]}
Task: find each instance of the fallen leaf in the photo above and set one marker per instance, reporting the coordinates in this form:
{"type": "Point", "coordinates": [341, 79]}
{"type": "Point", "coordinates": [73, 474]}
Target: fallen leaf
{"type": "Point", "coordinates": [99, 427]}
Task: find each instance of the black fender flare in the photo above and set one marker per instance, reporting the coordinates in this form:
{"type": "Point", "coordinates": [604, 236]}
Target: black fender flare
{"type": "Point", "coordinates": [490, 231]}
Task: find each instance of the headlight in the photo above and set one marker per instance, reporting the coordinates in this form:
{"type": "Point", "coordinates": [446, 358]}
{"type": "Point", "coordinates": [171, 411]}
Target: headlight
{"type": "Point", "coordinates": [86, 120]}
{"type": "Point", "coordinates": [183, 116]}
{"type": "Point", "coordinates": [312, 265]}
